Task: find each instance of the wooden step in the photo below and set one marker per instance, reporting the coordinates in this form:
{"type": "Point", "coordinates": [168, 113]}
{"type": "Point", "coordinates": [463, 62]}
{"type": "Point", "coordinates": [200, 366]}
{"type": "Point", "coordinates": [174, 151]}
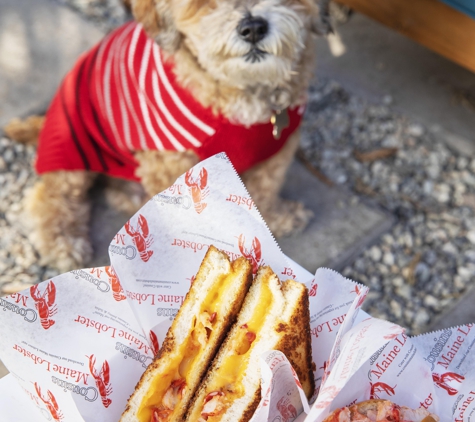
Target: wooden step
{"type": "Point", "coordinates": [429, 22]}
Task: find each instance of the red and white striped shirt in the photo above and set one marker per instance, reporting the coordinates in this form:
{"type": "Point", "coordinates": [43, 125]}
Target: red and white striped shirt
{"type": "Point", "coordinates": [122, 96]}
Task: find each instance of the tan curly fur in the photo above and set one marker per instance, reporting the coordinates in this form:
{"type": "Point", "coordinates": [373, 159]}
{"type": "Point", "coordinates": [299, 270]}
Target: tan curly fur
{"type": "Point", "coordinates": [201, 35]}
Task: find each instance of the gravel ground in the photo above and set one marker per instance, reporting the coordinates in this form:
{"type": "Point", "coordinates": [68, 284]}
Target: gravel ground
{"type": "Point", "coordinates": [107, 14]}
{"type": "Point", "coordinates": [428, 259]}
{"type": "Point", "coordinates": [415, 272]}
{"type": "Point", "coordinates": [19, 268]}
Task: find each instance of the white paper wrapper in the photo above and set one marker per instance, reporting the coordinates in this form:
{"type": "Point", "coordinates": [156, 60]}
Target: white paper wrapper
{"type": "Point", "coordinates": [77, 344]}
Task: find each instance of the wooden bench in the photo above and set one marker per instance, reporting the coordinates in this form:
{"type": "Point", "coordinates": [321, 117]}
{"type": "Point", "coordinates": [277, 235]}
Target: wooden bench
{"type": "Point", "coordinates": [432, 23]}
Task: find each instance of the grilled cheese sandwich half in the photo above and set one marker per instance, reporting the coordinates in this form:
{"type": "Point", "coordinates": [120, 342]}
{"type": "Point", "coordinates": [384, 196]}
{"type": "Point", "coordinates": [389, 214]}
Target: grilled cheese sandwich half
{"type": "Point", "coordinates": [274, 316]}
{"type": "Point", "coordinates": [210, 307]}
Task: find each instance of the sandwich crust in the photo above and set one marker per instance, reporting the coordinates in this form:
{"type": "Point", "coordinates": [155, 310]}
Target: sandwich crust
{"type": "Point", "coordinates": [296, 341]}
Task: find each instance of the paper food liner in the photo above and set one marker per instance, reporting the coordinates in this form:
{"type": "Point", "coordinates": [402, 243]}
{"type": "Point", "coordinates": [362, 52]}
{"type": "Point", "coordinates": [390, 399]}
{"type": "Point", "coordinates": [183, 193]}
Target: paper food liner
{"type": "Point", "coordinates": [77, 344]}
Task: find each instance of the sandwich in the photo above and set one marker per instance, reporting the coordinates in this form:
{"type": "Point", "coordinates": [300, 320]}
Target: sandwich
{"type": "Point", "coordinates": [209, 309]}
{"type": "Point", "coordinates": [380, 411]}
{"type": "Point", "coordinates": [274, 316]}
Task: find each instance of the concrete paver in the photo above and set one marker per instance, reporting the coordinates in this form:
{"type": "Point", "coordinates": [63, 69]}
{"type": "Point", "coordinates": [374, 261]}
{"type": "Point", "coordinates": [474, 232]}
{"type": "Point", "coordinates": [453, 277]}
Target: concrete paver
{"type": "Point", "coordinates": [39, 42]}
{"type": "Point", "coordinates": [373, 61]}
{"type": "Point", "coordinates": [462, 312]}
{"type": "Point", "coordinates": [340, 229]}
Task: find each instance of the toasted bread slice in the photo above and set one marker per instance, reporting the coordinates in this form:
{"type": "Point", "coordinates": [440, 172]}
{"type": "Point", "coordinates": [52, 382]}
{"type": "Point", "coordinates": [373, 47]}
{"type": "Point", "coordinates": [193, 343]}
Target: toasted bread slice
{"type": "Point", "coordinates": [274, 316]}
{"type": "Point", "coordinates": [209, 309]}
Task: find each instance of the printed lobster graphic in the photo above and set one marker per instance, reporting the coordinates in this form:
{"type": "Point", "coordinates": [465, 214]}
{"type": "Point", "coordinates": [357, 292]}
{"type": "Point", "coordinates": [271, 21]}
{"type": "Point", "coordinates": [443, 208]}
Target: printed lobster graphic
{"type": "Point", "coordinates": [381, 387]}
{"type": "Point", "coordinates": [442, 380]}
{"type": "Point", "coordinates": [326, 372]}
{"type": "Point", "coordinates": [313, 289]}
{"type": "Point", "coordinates": [254, 254]}
{"type": "Point", "coordinates": [287, 410]}
{"type": "Point", "coordinates": [141, 237]}
{"type": "Point", "coordinates": [102, 380]}
{"type": "Point", "coordinates": [197, 186]}
{"type": "Point", "coordinates": [326, 396]}
{"type": "Point", "coordinates": [117, 290]}
{"type": "Point", "coordinates": [361, 299]}
{"type": "Point", "coordinates": [392, 336]}
{"type": "Point", "coordinates": [50, 402]}
{"type": "Point", "coordinates": [154, 343]}
{"type": "Point", "coordinates": [44, 303]}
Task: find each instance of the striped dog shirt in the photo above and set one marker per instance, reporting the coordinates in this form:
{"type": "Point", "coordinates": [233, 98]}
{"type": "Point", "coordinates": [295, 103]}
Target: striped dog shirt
{"type": "Point", "coordinates": [122, 96]}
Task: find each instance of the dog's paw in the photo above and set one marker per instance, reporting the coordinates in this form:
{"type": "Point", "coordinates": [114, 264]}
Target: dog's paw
{"type": "Point", "coordinates": [64, 253]}
{"type": "Point", "coordinates": [125, 196]}
{"type": "Point", "coordinates": [287, 217]}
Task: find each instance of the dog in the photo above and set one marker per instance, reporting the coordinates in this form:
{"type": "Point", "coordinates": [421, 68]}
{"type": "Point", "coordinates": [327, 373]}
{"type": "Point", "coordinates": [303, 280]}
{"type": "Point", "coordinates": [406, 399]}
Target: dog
{"type": "Point", "coordinates": [185, 80]}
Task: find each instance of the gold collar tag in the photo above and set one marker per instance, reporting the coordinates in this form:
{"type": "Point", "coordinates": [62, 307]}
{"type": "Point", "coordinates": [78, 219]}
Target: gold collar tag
{"type": "Point", "coordinates": [280, 120]}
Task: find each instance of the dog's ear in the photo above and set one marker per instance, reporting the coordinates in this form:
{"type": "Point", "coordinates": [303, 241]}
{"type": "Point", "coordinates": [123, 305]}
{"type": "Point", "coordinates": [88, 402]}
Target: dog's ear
{"type": "Point", "coordinates": [322, 24]}
{"type": "Point", "coordinates": [157, 19]}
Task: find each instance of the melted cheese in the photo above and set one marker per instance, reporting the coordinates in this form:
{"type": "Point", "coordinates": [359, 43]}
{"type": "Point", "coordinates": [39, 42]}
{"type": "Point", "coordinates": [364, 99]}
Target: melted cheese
{"type": "Point", "coordinates": [190, 351]}
{"type": "Point", "coordinates": [228, 377]}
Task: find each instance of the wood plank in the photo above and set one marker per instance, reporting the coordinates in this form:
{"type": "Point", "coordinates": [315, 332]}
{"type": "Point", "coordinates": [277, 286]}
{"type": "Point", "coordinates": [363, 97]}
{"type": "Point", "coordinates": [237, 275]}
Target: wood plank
{"type": "Point", "coordinates": [429, 22]}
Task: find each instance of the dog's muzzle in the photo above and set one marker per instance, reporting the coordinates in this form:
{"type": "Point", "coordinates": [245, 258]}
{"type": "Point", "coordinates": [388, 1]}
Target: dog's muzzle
{"type": "Point", "coordinates": [253, 29]}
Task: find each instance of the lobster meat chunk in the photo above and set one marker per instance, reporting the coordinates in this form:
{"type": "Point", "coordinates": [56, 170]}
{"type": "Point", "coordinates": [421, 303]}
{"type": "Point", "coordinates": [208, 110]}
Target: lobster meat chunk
{"type": "Point", "coordinates": [214, 405]}
{"type": "Point", "coordinates": [171, 398]}
{"type": "Point", "coordinates": [174, 393]}
{"type": "Point", "coordinates": [380, 411]}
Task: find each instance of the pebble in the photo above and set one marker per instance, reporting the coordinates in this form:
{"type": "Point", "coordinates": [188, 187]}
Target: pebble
{"type": "Point", "coordinates": [396, 308]}
{"type": "Point", "coordinates": [388, 259]}
{"type": "Point", "coordinates": [471, 236]}
{"type": "Point", "coordinates": [422, 272]}
{"type": "Point", "coordinates": [375, 253]}
{"type": "Point", "coordinates": [431, 302]}
{"type": "Point", "coordinates": [422, 317]}
{"type": "Point", "coordinates": [14, 287]}
{"type": "Point", "coordinates": [466, 273]}
{"type": "Point", "coordinates": [405, 291]}
{"type": "Point", "coordinates": [415, 130]}
{"type": "Point", "coordinates": [470, 255]}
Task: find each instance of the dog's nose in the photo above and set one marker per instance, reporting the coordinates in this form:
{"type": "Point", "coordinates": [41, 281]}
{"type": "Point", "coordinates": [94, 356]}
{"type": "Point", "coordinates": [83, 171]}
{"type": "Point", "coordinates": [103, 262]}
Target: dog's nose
{"type": "Point", "coordinates": [252, 28]}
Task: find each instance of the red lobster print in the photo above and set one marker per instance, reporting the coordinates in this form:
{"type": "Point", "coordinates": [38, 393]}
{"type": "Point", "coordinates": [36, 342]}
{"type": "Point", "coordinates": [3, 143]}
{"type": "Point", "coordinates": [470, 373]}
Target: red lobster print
{"type": "Point", "coordinates": [381, 387]}
{"type": "Point", "coordinates": [102, 380]}
{"type": "Point", "coordinates": [254, 254]}
{"type": "Point", "coordinates": [362, 297]}
{"type": "Point", "coordinates": [51, 403]}
{"type": "Point", "coordinates": [326, 373]}
{"type": "Point", "coordinates": [442, 380]}
{"type": "Point", "coordinates": [117, 290]}
{"type": "Point", "coordinates": [44, 303]}
{"type": "Point", "coordinates": [287, 410]}
{"type": "Point", "coordinates": [313, 289]}
{"type": "Point", "coordinates": [392, 336]}
{"type": "Point", "coordinates": [328, 393]}
{"type": "Point", "coordinates": [197, 188]}
{"type": "Point", "coordinates": [141, 237]}
{"type": "Point", "coordinates": [154, 343]}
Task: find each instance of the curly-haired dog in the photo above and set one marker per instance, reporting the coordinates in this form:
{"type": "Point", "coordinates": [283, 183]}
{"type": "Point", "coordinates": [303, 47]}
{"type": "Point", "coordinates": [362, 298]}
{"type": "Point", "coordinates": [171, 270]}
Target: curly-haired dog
{"type": "Point", "coordinates": [186, 80]}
